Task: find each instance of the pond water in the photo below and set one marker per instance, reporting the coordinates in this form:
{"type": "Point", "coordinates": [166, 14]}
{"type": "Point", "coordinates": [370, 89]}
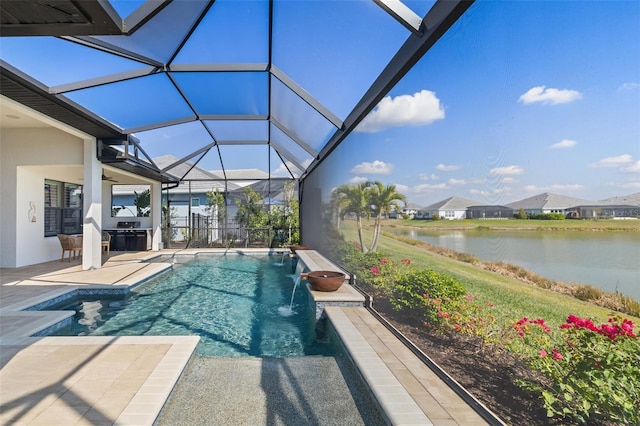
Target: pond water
{"type": "Point", "coordinates": [607, 260]}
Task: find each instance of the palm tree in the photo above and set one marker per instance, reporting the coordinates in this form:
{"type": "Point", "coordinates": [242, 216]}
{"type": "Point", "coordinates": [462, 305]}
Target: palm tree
{"type": "Point", "coordinates": [382, 198]}
{"type": "Point", "coordinates": [355, 199]}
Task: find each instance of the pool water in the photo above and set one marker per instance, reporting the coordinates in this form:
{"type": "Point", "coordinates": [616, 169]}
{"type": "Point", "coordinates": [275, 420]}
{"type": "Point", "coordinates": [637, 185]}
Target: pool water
{"type": "Point", "coordinates": [238, 305]}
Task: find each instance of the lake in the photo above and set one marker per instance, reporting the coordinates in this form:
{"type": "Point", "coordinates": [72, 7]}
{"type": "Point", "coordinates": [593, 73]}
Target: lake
{"type": "Point", "coordinates": [608, 260]}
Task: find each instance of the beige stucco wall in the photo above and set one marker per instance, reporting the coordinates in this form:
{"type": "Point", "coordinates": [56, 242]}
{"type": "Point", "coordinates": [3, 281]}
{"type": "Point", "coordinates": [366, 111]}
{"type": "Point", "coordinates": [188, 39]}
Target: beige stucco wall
{"type": "Point", "coordinates": [27, 158]}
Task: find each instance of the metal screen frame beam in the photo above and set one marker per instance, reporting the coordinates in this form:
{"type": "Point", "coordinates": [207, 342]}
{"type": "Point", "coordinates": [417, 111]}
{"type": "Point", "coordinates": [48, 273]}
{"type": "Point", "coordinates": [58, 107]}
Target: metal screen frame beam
{"type": "Point", "coordinates": [101, 81]}
{"type": "Point", "coordinates": [402, 14]}
{"type": "Point", "coordinates": [306, 96]}
{"type": "Point", "coordinates": [294, 138]}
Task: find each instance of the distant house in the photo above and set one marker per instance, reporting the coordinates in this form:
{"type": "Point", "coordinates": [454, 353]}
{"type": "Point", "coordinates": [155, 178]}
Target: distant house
{"type": "Point", "coordinates": [190, 196]}
{"type": "Point", "coordinates": [450, 208]}
{"type": "Point", "coordinates": [547, 203]}
{"type": "Point", "coordinates": [631, 199]}
{"type": "Point", "coordinates": [489, 212]}
{"type": "Point", "coordinates": [604, 212]}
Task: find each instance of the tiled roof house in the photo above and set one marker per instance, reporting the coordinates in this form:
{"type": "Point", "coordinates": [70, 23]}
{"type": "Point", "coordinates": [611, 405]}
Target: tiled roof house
{"type": "Point", "coordinates": [449, 208]}
{"type": "Point", "coordinates": [547, 203]}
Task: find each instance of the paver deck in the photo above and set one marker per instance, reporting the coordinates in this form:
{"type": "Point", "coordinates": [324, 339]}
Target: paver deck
{"type": "Point", "coordinates": [408, 391]}
{"type": "Point", "coordinates": [81, 380]}
{"type": "Point", "coordinates": [126, 380]}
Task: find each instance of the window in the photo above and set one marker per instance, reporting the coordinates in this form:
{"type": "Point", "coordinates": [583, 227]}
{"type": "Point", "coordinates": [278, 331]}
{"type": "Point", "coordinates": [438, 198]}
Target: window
{"type": "Point", "coordinates": [62, 208]}
{"type": "Point", "coordinates": [195, 202]}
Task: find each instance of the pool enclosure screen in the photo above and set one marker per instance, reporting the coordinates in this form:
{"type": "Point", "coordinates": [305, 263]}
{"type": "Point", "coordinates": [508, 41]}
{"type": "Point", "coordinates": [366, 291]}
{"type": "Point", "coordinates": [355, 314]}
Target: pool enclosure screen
{"type": "Point", "coordinates": [215, 95]}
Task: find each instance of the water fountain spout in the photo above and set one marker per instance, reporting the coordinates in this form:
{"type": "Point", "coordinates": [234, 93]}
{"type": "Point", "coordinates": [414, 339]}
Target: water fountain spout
{"type": "Point", "coordinates": [287, 311]}
{"type": "Point", "coordinates": [281, 259]}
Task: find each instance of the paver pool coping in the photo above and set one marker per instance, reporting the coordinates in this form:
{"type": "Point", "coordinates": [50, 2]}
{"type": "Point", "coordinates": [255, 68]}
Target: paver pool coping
{"type": "Point", "coordinates": [399, 406]}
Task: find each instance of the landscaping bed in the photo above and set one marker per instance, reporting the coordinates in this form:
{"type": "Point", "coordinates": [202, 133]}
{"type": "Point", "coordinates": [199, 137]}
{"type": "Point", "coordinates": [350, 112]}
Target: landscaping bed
{"type": "Point", "coordinates": [483, 370]}
{"type": "Point", "coordinates": [529, 354]}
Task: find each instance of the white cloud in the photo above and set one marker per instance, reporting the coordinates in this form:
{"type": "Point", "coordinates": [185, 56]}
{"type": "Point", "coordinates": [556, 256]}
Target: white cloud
{"type": "Point", "coordinates": [282, 170]}
{"type": "Point", "coordinates": [445, 168]}
{"type": "Point", "coordinates": [565, 143]}
{"type": "Point", "coordinates": [424, 176]}
{"type": "Point", "coordinates": [613, 161]}
{"type": "Point", "coordinates": [418, 109]}
{"type": "Point", "coordinates": [357, 179]}
{"type": "Point", "coordinates": [506, 171]}
{"type": "Point", "coordinates": [634, 168]}
{"type": "Point", "coordinates": [403, 189]}
{"type": "Point", "coordinates": [509, 180]}
{"type": "Point", "coordinates": [549, 96]}
{"type": "Point", "coordinates": [375, 168]}
{"type": "Point", "coordinates": [629, 86]}
{"type": "Point", "coordinates": [478, 180]}
{"type": "Point", "coordinates": [427, 187]}
{"type": "Point", "coordinates": [486, 193]}
{"type": "Point", "coordinates": [554, 188]}
{"type": "Point", "coordinates": [453, 182]}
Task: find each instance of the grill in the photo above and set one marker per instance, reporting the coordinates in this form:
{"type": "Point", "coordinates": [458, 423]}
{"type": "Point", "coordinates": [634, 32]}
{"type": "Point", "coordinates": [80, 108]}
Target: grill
{"type": "Point", "coordinates": [128, 225]}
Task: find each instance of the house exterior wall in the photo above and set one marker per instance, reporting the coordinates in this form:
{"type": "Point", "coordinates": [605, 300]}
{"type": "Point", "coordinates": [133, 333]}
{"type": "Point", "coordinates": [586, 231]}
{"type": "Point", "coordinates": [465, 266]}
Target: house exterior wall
{"type": "Point", "coordinates": [489, 212]}
{"type": "Point", "coordinates": [28, 157]}
{"type": "Point", "coordinates": [452, 214]}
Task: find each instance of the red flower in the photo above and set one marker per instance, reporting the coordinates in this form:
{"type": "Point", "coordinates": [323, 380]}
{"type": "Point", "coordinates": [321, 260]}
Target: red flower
{"type": "Point", "coordinates": [375, 270]}
{"type": "Point", "coordinates": [406, 261]}
{"type": "Point", "coordinates": [557, 355]}
{"type": "Point", "coordinates": [542, 353]}
{"type": "Point", "coordinates": [384, 261]}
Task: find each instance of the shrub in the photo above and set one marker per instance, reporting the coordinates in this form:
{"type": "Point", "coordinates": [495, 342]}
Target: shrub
{"type": "Point", "coordinates": [547, 216]}
{"type": "Point", "coordinates": [383, 272]}
{"type": "Point", "coordinates": [412, 289]}
{"type": "Point", "coordinates": [592, 372]}
{"type": "Point", "coordinates": [463, 315]}
{"type": "Point", "coordinates": [586, 292]}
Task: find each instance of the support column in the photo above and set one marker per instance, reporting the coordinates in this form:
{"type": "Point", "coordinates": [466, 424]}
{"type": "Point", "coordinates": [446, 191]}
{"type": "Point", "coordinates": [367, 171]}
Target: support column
{"type": "Point", "coordinates": [156, 216]}
{"type": "Point", "coordinates": [92, 208]}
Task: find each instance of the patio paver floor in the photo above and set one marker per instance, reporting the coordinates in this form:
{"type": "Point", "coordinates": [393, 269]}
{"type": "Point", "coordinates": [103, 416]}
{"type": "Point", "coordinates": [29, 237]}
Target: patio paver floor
{"type": "Point", "coordinates": [127, 380]}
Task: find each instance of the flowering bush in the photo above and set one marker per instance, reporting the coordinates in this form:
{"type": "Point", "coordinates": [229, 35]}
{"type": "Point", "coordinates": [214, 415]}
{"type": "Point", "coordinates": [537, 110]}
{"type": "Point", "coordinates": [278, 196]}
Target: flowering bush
{"type": "Point", "coordinates": [384, 274]}
{"type": "Point", "coordinates": [591, 371]}
{"type": "Point", "coordinates": [462, 315]}
{"type": "Point", "coordinates": [410, 289]}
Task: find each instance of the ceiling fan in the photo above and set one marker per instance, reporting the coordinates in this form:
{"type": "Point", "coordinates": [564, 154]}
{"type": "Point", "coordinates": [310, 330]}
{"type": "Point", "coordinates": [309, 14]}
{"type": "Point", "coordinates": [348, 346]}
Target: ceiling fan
{"type": "Point", "coordinates": [108, 178]}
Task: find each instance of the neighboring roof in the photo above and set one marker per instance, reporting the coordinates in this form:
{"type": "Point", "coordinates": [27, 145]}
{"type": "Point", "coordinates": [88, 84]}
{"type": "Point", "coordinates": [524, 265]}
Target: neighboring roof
{"type": "Point", "coordinates": [631, 199]}
{"type": "Point", "coordinates": [451, 203]}
{"type": "Point", "coordinates": [242, 174]}
{"type": "Point", "coordinates": [199, 180]}
{"type": "Point", "coordinates": [490, 206]}
{"type": "Point", "coordinates": [289, 78]}
{"type": "Point", "coordinates": [548, 201]}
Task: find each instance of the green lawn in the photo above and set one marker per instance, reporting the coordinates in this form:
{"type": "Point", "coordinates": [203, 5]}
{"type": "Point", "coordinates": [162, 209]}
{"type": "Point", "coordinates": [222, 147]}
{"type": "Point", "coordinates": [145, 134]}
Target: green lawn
{"type": "Point", "coordinates": [513, 299]}
{"type": "Point", "coordinates": [519, 224]}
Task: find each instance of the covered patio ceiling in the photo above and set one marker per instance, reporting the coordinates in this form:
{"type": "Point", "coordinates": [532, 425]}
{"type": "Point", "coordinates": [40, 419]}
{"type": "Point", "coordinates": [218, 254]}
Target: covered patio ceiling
{"type": "Point", "coordinates": [259, 85]}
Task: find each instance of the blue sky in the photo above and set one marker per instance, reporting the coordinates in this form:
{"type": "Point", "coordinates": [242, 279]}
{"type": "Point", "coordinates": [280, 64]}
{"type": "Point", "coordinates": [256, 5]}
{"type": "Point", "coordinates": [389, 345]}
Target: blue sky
{"type": "Point", "coordinates": [517, 99]}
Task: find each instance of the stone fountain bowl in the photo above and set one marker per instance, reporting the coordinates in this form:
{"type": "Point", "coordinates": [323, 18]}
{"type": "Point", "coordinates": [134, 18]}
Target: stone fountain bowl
{"type": "Point", "coordinates": [295, 247]}
{"type": "Point", "coordinates": [324, 280]}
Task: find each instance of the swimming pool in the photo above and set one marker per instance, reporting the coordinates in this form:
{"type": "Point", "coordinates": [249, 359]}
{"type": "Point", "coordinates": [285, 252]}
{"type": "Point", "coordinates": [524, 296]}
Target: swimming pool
{"type": "Point", "coordinates": [237, 304]}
